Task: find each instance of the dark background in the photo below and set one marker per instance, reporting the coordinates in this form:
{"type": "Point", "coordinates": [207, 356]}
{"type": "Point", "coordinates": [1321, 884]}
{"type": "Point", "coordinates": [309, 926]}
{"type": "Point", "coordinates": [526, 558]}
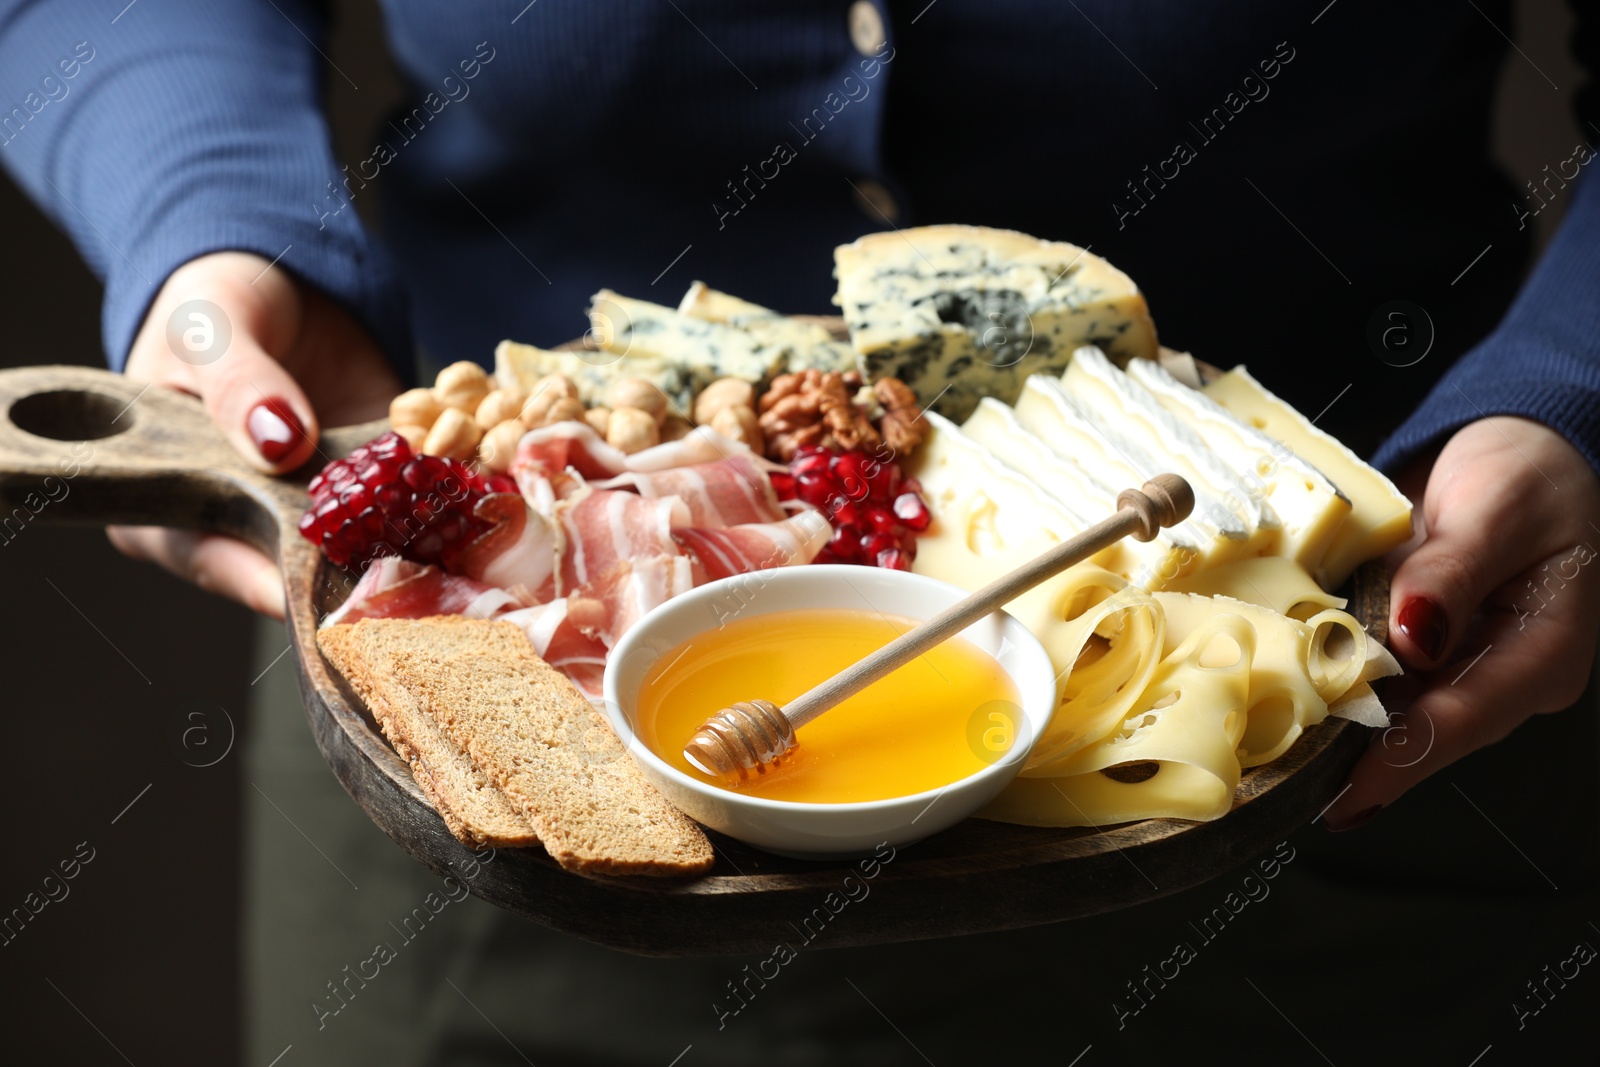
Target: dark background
{"type": "Point", "coordinates": [104, 658]}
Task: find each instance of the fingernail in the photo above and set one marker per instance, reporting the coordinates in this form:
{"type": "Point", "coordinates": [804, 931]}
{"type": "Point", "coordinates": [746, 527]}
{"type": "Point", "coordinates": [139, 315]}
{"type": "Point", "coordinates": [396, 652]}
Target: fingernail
{"type": "Point", "coordinates": [1422, 620]}
{"type": "Point", "coordinates": [1360, 818]}
{"type": "Point", "coordinates": [274, 427]}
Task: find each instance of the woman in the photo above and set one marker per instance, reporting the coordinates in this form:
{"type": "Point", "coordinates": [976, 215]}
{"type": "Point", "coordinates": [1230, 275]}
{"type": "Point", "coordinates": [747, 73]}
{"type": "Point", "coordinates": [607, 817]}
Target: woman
{"type": "Point", "coordinates": [1275, 181]}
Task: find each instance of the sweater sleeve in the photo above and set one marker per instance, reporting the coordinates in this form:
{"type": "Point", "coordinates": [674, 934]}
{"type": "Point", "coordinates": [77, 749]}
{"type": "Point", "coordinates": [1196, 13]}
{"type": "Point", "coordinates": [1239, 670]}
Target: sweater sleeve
{"type": "Point", "coordinates": [158, 131]}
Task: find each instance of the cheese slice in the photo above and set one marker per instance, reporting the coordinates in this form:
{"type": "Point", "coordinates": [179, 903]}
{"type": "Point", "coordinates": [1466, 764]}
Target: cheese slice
{"type": "Point", "coordinates": [963, 312]}
{"type": "Point", "coordinates": [987, 519]}
{"type": "Point", "coordinates": [1188, 723]}
{"type": "Point", "coordinates": [1045, 410]}
{"type": "Point", "coordinates": [1125, 410]}
{"type": "Point", "coordinates": [1380, 517]}
{"type": "Point", "coordinates": [1284, 698]}
{"type": "Point", "coordinates": [1309, 507]}
{"type": "Point", "coordinates": [1270, 581]}
{"type": "Point", "coordinates": [1149, 564]}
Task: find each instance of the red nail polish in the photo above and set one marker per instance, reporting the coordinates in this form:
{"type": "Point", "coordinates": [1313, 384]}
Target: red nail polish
{"type": "Point", "coordinates": [274, 427]}
{"type": "Point", "coordinates": [1423, 621]}
{"type": "Point", "coordinates": [1360, 818]}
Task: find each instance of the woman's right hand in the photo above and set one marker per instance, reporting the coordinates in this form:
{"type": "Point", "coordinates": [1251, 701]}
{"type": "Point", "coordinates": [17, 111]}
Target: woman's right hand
{"type": "Point", "coordinates": [273, 360]}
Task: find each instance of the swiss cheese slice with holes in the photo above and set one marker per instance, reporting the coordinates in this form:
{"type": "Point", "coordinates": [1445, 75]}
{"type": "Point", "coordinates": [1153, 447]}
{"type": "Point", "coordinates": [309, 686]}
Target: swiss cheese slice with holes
{"type": "Point", "coordinates": [1174, 756]}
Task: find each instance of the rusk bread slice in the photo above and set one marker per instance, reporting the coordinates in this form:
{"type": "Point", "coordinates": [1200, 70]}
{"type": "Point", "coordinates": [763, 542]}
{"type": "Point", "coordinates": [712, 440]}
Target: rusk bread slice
{"type": "Point", "coordinates": [558, 760]}
{"type": "Point", "coordinates": [474, 809]}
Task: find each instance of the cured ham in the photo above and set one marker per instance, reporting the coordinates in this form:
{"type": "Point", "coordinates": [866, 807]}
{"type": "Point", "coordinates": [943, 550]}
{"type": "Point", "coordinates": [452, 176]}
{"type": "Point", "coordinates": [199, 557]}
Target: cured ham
{"type": "Point", "coordinates": [519, 552]}
{"type": "Point", "coordinates": [728, 492]}
{"type": "Point", "coordinates": [394, 588]}
{"type": "Point", "coordinates": [608, 606]}
{"type": "Point", "coordinates": [721, 553]}
{"type": "Point", "coordinates": [553, 462]}
{"type": "Point", "coordinates": [604, 527]}
{"type": "Point", "coordinates": [563, 645]}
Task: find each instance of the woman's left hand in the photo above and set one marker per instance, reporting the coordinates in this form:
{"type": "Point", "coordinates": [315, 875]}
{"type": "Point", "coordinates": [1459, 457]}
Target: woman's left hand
{"type": "Point", "coordinates": [1495, 603]}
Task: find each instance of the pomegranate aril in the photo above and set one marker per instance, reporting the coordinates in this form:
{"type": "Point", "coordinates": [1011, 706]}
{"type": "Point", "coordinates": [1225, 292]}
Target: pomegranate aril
{"type": "Point", "coordinates": [884, 482]}
{"type": "Point", "coordinates": [813, 488]}
{"type": "Point", "coordinates": [894, 559]}
{"type": "Point", "coordinates": [848, 514]}
{"type": "Point", "coordinates": [911, 510]}
{"type": "Point", "coordinates": [872, 544]}
{"type": "Point", "coordinates": [882, 520]}
{"type": "Point", "coordinates": [782, 484]}
{"type": "Point", "coordinates": [500, 483]}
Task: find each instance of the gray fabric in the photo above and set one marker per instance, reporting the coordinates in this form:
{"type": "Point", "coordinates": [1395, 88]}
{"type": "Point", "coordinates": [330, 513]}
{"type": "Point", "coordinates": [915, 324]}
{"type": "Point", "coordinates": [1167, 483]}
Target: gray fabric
{"type": "Point", "coordinates": [1413, 938]}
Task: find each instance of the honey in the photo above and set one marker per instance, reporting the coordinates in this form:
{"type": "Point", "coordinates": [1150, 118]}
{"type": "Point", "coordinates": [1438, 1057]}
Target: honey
{"type": "Point", "coordinates": [943, 716]}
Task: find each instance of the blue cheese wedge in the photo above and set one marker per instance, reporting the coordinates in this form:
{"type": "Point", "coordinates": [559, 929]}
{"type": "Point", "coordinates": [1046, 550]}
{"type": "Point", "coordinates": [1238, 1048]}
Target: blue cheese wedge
{"type": "Point", "coordinates": [1310, 508]}
{"type": "Point", "coordinates": [809, 343]}
{"type": "Point", "coordinates": [1149, 564]}
{"type": "Point", "coordinates": [963, 312]}
{"type": "Point", "coordinates": [1045, 409]}
{"type": "Point", "coordinates": [1127, 411]}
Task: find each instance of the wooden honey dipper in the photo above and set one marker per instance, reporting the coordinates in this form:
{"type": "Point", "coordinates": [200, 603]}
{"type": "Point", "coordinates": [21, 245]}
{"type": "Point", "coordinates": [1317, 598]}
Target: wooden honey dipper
{"type": "Point", "coordinates": [753, 733]}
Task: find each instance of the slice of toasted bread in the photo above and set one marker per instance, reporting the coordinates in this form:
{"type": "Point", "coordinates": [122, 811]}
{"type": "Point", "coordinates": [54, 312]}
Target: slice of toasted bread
{"type": "Point", "coordinates": [558, 760]}
{"type": "Point", "coordinates": [474, 809]}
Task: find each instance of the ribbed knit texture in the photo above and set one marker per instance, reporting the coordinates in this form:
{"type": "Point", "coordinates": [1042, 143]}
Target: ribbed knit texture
{"type": "Point", "coordinates": [193, 128]}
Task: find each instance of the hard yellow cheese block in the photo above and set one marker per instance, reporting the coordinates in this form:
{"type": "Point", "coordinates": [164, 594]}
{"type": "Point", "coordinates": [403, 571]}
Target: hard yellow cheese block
{"type": "Point", "coordinates": [1380, 518]}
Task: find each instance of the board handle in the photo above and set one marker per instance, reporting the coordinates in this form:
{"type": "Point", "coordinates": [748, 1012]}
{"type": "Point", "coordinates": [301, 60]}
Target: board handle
{"type": "Point", "coordinates": [84, 445]}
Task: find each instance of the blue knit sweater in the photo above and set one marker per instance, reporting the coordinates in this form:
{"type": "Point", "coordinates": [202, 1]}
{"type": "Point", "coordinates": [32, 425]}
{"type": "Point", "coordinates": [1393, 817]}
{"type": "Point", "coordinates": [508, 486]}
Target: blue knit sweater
{"type": "Point", "coordinates": [1303, 187]}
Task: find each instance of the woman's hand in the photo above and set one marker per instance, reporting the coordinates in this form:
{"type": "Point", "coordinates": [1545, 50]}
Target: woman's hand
{"type": "Point", "coordinates": [1494, 606]}
{"type": "Point", "coordinates": [273, 360]}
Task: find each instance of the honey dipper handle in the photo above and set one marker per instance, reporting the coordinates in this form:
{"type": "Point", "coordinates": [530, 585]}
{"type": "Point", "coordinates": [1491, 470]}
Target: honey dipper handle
{"type": "Point", "coordinates": [1166, 500]}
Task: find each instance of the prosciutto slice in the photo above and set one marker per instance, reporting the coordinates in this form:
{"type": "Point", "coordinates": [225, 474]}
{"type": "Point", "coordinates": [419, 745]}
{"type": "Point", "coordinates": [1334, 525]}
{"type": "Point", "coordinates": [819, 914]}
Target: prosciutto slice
{"type": "Point", "coordinates": [519, 552]}
{"type": "Point", "coordinates": [560, 643]}
{"type": "Point", "coordinates": [607, 607]}
{"type": "Point", "coordinates": [734, 550]}
{"type": "Point", "coordinates": [728, 492]}
{"type": "Point", "coordinates": [394, 588]}
{"type": "Point", "coordinates": [604, 527]}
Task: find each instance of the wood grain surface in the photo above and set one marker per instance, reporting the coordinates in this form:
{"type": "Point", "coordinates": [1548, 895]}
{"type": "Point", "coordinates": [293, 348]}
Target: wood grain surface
{"type": "Point", "coordinates": [152, 457]}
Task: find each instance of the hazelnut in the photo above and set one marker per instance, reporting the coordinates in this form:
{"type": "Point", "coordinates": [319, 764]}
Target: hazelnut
{"type": "Point", "coordinates": [454, 436]}
{"type": "Point", "coordinates": [567, 409]}
{"type": "Point", "coordinates": [462, 386]}
{"type": "Point", "coordinates": [675, 428]}
{"type": "Point", "coordinates": [738, 421]}
{"type": "Point", "coordinates": [640, 395]}
{"type": "Point", "coordinates": [545, 392]}
{"type": "Point", "coordinates": [499, 445]}
{"type": "Point", "coordinates": [723, 393]}
{"type": "Point", "coordinates": [599, 418]}
{"type": "Point", "coordinates": [414, 435]}
{"type": "Point", "coordinates": [498, 406]}
{"type": "Point", "coordinates": [414, 407]}
{"type": "Point", "coordinates": [632, 430]}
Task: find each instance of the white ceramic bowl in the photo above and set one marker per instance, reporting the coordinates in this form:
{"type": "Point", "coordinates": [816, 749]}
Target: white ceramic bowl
{"type": "Point", "coordinates": [817, 831]}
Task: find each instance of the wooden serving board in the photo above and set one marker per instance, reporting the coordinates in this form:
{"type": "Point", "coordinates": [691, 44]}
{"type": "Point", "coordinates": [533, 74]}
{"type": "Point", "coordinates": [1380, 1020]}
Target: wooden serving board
{"type": "Point", "coordinates": [154, 458]}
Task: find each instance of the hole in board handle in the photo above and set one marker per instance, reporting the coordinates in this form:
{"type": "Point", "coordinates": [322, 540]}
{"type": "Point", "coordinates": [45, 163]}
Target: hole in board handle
{"type": "Point", "coordinates": [70, 415]}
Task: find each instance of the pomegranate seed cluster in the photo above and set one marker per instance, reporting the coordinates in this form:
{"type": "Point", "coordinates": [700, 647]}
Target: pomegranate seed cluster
{"type": "Point", "coordinates": [383, 500]}
{"type": "Point", "coordinates": [876, 513]}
